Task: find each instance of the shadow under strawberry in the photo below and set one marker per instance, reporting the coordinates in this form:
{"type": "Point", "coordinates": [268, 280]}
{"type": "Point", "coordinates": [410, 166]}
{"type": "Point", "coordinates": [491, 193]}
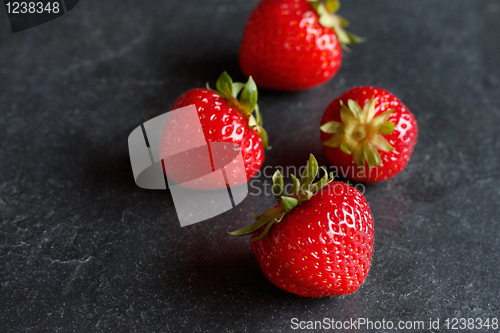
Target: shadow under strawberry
{"type": "Point", "coordinates": [230, 277]}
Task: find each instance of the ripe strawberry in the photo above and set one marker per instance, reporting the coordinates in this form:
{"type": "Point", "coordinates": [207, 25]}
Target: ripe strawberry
{"type": "Point", "coordinates": [318, 240]}
{"type": "Point", "coordinates": [294, 44]}
{"type": "Point", "coordinates": [224, 119]}
{"type": "Point", "coordinates": [370, 127]}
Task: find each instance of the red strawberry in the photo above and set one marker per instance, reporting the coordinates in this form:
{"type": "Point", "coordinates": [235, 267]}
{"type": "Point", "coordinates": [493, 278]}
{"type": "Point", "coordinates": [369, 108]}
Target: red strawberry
{"type": "Point", "coordinates": [224, 119]}
{"type": "Point", "coordinates": [318, 240]}
{"type": "Point", "coordinates": [294, 44]}
{"type": "Point", "coordinates": [369, 134]}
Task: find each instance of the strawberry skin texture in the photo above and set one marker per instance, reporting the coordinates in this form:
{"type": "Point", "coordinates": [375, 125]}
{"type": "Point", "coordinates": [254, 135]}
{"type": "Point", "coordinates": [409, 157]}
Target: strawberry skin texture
{"type": "Point", "coordinates": [402, 139]}
{"type": "Point", "coordinates": [321, 248]}
{"type": "Point", "coordinates": [284, 46]}
{"type": "Point", "coordinates": [220, 123]}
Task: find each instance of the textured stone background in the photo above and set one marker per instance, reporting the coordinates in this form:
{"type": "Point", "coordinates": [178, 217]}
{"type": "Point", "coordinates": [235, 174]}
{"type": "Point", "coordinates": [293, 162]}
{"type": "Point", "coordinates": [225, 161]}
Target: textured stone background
{"type": "Point", "coordinates": [83, 249]}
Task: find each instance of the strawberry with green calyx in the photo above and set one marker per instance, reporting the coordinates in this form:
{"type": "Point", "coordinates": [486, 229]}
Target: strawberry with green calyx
{"type": "Point", "coordinates": [294, 44]}
{"type": "Point", "coordinates": [224, 118]}
{"type": "Point", "coordinates": [318, 240]}
{"type": "Point", "coordinates": [369, 131]}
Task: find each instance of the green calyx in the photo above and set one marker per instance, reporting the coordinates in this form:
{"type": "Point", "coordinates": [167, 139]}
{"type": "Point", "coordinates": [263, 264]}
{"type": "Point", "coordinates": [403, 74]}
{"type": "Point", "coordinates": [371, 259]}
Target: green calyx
{"type": "Point", "coordinates": [246, 104]}
{"type": "Point", "coordinates": [301, 190]}
{"type": "Point", "coordinates": [360, 133]}
{"type": "Point", "coordinates": [326, 10]}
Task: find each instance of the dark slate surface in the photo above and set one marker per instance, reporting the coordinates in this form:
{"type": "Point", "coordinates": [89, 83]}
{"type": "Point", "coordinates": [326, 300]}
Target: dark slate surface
{"type": "Point", "coordinates": [82, 249]}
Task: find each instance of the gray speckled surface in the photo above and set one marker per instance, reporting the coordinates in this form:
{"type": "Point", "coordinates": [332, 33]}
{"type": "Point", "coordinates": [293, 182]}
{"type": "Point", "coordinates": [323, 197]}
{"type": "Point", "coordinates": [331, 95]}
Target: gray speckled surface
{"type": "Point", "coordinates": [83, 249]}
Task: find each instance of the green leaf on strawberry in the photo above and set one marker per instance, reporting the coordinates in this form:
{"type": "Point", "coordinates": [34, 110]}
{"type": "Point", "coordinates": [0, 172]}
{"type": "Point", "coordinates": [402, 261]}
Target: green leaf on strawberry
{"type": "Point", "coordinates": [246, 104]}
{"type": "Point", "coordinates": [360, 133]}
{"type": "Point", "coordinates": [327, 18]}
{"type": "Point", "coordinates": [301, 191]}
{"type": "Point", "coordinates": [249, 95]}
